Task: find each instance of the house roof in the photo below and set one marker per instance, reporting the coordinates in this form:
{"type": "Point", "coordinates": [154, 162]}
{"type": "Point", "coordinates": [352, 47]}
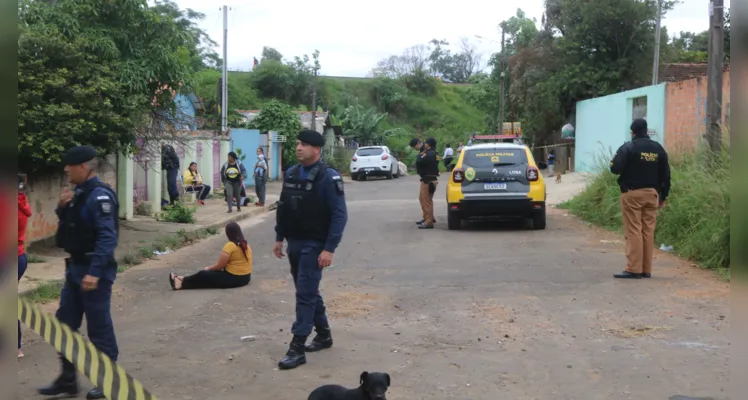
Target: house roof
{"type": "Point", "coordinates": [676, 72]}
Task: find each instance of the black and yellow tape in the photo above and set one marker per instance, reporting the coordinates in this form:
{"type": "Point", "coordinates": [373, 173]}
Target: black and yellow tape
{"type": "Point", "coordinates": [95, 365]}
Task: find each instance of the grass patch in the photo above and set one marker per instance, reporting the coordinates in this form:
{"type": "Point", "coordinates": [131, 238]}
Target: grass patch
{"type": "Point", "coordinates": [34, 259]}
{"type": "Point", "coordinates": [45, 292]}
{"type": "Point", "coordinates": [696, 218]}
{"type": "Point", "coordinates": [178, 213]}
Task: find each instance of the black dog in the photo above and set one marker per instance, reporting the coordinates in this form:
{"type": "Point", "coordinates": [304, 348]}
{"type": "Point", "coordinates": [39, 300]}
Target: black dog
{"type": "Point", "coordinates": [373, 387]}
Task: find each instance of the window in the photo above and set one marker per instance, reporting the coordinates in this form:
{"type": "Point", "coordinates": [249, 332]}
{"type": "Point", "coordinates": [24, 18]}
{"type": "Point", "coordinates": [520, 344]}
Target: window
{"type": "Point", "coordinates": [639, 108]}
{"type": "Point", "coordinates": [488, 158]}
{"type": "Point", "coordinates": [369, 151]}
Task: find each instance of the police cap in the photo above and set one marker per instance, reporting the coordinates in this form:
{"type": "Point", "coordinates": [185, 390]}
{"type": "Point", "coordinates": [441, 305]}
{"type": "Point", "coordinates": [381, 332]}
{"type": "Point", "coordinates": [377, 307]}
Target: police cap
{"type": "Point", "coordinates": [79, 155]}
{"type": "Point", "coordinates": [312, 138]}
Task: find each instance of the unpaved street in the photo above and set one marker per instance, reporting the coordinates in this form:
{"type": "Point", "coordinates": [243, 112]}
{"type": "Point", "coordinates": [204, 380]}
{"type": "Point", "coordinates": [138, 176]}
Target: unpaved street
{"type": "Point", "coordinates": [492, 312]}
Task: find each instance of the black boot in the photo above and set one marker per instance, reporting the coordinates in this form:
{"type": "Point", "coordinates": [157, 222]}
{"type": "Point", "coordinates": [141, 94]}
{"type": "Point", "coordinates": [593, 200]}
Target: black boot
{"type": "Point", "coordinates": [95, 393]}
{"type": "Point", "coordinates": [322, 340]}
{"type": "Point", "coordinates": [295, 355]}
{"type": "Point", "coordinates": [65, 384]}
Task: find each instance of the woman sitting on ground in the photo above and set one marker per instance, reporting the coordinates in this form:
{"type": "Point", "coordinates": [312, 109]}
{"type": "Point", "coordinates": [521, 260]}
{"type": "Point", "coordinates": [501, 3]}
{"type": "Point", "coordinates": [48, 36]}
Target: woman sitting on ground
{"type": "Point", "coordinates": [193, 182]}
{"type": "Point", "coordinates": [233, 269]}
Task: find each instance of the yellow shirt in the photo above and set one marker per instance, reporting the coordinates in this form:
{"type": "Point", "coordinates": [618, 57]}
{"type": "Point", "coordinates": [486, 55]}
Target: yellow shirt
{"type": "Point", "coordinates": [238, 264]}
{"type": "Point", "coordinates": [189, 178]}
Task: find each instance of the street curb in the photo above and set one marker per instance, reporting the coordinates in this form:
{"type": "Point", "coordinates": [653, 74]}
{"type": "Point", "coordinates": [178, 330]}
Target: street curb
{"type": "Point", "coordinates": [216, 225]}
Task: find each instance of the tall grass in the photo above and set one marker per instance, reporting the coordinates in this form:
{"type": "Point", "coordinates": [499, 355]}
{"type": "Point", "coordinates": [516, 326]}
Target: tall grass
{"type": "Point", "coordinates": [696, 218]}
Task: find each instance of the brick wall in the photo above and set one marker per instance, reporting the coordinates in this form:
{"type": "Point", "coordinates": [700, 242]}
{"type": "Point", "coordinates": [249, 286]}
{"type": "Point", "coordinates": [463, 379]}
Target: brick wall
{"type": "Point", "coordinates": [685, 112]}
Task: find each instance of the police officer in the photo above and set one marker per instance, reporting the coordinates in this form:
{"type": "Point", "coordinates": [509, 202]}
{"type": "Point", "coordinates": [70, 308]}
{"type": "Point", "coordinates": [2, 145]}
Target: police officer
{"type": "Point", "coordinates": [88, 231]}
{"type": "Point", "coordinates": [644, 179]}
{"type": "Point", "coordinates": [311, 216]}
{"type": "Point", "coordinates": [428, 167]}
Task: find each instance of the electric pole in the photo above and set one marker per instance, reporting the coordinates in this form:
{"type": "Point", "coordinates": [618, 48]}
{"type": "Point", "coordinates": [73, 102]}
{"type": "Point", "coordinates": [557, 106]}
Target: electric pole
{"type": "Point", "coordinates": [714, 79]}
{"type": "Point", "coordinates": [500, 121]}
{"type": "Point", "coordinates": [225, 74]}
{"type": "Point", "coordinates": [314, 100]}
{"type": "Point", "coordinates": [658, 30]}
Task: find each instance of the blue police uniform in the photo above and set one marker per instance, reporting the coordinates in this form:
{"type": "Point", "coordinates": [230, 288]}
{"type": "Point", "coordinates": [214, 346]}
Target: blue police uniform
{"type": "Point", "coordinates": [88, 232]}
{"type": "Point", "coordinates": [311, 216]}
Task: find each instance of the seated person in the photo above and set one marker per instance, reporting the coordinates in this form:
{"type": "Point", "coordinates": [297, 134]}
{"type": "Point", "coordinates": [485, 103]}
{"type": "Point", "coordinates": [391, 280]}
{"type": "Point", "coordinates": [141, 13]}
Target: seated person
{"type": "Point", "coordinates": [233, 269]}
{"type": "Point", "coordinates": [193, 182]}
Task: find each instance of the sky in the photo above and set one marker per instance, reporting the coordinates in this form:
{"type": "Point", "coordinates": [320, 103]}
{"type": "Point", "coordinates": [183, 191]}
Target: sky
{"type": "Point", "coordinates": [352, 37]}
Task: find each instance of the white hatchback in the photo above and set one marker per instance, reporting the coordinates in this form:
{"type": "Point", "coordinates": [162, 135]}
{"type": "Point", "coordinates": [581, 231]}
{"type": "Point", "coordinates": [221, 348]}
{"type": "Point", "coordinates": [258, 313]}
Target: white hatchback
{"type": "Point", "coordinates": [374, 161]}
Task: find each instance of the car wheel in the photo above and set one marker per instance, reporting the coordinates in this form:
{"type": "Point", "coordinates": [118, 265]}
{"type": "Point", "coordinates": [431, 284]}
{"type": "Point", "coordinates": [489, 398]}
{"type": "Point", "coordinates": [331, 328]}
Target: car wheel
{"type": "Point", "coordinates": [389, 174]}
{"type": "Point", "coordinates": [538, 220]}
{"type": "Point", "coordinates": [454, 222]}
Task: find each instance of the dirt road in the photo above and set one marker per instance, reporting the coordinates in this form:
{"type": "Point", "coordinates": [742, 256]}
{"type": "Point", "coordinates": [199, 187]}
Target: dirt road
{"type": "Point", "coordinates": [492, 312]}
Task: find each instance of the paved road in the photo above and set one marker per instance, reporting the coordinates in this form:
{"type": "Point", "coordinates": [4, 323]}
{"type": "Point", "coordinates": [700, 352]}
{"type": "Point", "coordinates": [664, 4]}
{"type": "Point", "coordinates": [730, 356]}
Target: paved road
{"type": "Point", "coordinates": [491, 312]}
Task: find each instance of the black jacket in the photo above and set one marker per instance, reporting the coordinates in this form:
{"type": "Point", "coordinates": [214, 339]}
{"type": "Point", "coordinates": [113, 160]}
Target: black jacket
{"type": "Point", "coordinates": [642, 163]}
{"type": "Point", "coordinates": [169, 157]}
{"type": "Point", "coordinates": [427, 166]}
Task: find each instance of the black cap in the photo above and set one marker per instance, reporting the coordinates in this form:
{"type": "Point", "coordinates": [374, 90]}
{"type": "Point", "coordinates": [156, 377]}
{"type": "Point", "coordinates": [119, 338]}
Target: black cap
{"type": "Point", "coordinates": [312, 138]}
{"type": "Point", "coordinates": [79, 155]}
{"type": "Point", "coordinates": [639, 127]}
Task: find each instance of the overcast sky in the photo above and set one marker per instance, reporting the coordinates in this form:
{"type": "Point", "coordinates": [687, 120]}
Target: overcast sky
{"type": "Point", "coordinates": [353, 36]}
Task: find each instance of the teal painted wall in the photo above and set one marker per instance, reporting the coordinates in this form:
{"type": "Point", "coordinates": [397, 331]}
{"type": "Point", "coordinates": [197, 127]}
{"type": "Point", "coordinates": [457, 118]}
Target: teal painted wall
{"type": "Point", "coordinates": [603, 124]}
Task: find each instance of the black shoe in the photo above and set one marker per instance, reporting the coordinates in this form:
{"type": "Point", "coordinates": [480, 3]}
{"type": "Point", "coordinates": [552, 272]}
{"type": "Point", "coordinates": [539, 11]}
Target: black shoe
{"type": "Point", "coordinates": [238, 209]}
{"type": "Point", "coordinates": [322, 340]}
{"type": "Point", "coordinates": [646, 275]}
{"type": "Point", "coordinates": [424, 226]}
{"type": "Point", "coordinates": [95, 393]}
{"type": "Point", "coordinates": [627, 275]}
{"type": "Point", "coordinates": [295, 355]}
{"type": "Point", "coordinates": [65, 384]}
{"type": "Point", "coordinates": [420, 222]}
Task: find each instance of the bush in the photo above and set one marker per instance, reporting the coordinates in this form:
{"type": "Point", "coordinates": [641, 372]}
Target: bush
{"type": "Point", "coordinates": [178, 213]}
{"type": "Point", "coordinates": [696, 218]}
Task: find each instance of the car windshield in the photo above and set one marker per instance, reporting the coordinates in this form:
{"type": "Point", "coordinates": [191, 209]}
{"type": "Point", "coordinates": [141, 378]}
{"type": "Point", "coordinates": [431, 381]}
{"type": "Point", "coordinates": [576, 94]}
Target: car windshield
{"type": "Point", "coordinates": [489, 158]}
{"type": "Point", "coordinates": [369, 151]}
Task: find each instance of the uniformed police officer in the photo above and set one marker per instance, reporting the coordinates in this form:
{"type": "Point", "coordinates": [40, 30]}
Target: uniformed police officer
{"type": "Point", "coordinates": [644, 179]}
{"type": "Point", "coordinates": [311, 216]}
{"type": "Point", "coordinates": [88, 231]}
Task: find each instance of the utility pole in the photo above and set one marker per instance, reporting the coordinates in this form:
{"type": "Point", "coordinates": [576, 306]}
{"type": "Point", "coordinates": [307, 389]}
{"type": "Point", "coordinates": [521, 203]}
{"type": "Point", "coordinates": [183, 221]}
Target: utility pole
{"type": "Point", "coordinates": [314, 100]}
{"type": "Point", "coordinates": [714, 78]}
{"type": "Point", "coordinates": [500, 121]}
{"type": "Point", "coordinates": [656, 66]}
{"type": "Point", "coordinates": [225, 74]}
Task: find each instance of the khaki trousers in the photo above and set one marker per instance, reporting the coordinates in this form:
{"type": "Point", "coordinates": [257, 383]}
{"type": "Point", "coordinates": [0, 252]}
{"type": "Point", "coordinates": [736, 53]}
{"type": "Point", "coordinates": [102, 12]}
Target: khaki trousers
{"type": "Point", "coordinates": [427, 203]}
{"type": "Point", "coordinates": [639, 209]}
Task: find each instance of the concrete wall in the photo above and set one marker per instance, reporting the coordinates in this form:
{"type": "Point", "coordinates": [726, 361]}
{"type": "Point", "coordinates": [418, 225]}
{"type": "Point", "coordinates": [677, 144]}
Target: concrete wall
{"type": "Point", "coordinates": [44, 193]}
{"type": "Point", "coordinates": [685, 112]}
{"type": "Point", "coordinates": [603, 123]}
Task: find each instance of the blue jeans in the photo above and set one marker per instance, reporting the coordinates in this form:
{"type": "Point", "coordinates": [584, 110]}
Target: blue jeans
{"type": "Point", "coordinates": [23, 262]}
{"type": "Point", "coordinates": [306, 273]}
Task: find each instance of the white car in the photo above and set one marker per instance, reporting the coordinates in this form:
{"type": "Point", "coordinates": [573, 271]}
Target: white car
{"type": "Point", "coordinates": [374, 161]}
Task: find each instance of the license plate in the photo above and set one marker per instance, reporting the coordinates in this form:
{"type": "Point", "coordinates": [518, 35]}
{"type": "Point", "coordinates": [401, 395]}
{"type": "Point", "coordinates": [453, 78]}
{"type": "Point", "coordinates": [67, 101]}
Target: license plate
{"type": "Point", "coordinates": [494, 186]}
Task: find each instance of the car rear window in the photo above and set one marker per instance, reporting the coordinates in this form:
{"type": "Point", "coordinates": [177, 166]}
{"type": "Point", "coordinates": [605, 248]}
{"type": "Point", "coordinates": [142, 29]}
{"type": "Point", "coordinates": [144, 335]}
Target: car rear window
{"type": "Point", "coordinates": [370, 151]}
{"type": "Point", "coordinates": [494, 157]}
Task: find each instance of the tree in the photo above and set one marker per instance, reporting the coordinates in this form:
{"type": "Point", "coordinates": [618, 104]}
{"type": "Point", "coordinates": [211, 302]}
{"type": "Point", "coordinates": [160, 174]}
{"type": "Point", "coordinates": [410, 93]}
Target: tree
{"type": "Point", "coordinates": [270, 53]}
{"type": "Point", "coordinates": [362, 124]}
{"type": "Point", "coordinates": [280, 117]}
{"type": "Point", "coordinates": [289, 82]}
{"type": "Point", "coordinates": [96, 73]}
{"type": "Point", "coordinates": [199, 51]}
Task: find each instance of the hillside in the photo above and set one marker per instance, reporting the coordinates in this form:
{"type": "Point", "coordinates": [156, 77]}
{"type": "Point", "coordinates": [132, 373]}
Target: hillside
{"type": "Point", "coordinates": [436, 109]}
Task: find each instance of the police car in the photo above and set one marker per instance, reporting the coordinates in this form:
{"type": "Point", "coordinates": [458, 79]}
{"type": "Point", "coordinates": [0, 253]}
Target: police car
{"type": "Point", "coordinates": [495, 180]}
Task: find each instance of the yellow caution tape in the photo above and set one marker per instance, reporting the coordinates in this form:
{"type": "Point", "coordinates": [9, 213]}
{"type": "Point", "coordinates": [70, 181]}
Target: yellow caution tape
{"type": "Point", "coordinates": [95, 365]}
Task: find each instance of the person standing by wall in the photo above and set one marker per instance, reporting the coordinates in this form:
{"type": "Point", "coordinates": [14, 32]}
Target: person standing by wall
{"type": "Point", "coordinates": [260, 175]}
{"type": "Point", "coordinates": [644, 178]}
{"type": "Point", "coordinates": [311, 216]}
{"type": "Point", "coordinates": [24, 213]}
{"type": "Point", "coordinates": [88, 231]}
{"type": "Point", "coordinates": [170, 163]}
{"type": "Point", "coordinates": [429, 179]}
{"type": "Point", "coordinates": [233, 175]}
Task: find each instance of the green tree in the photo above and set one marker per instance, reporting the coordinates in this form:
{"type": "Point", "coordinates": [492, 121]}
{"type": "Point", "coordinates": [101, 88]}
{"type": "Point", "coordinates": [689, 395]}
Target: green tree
{"type": "Point", "coordinates": [280, 117]}
{"type": "Point", "coordinates": [269, 53]}
{"type": "Point", "coordinates": [362, 124]}
{"type": "Point", "coordinates": [99, 73]}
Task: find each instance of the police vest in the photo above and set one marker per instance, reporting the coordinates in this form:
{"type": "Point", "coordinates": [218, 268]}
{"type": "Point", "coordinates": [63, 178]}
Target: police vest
{"type": "Point", "coordinates": [302, 212]}
{"type": "Point", "coordinates": [76, 235]}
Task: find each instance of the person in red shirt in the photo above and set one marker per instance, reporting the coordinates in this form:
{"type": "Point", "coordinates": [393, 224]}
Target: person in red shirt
{"type": "Point", "coordinates": [24, 212]}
